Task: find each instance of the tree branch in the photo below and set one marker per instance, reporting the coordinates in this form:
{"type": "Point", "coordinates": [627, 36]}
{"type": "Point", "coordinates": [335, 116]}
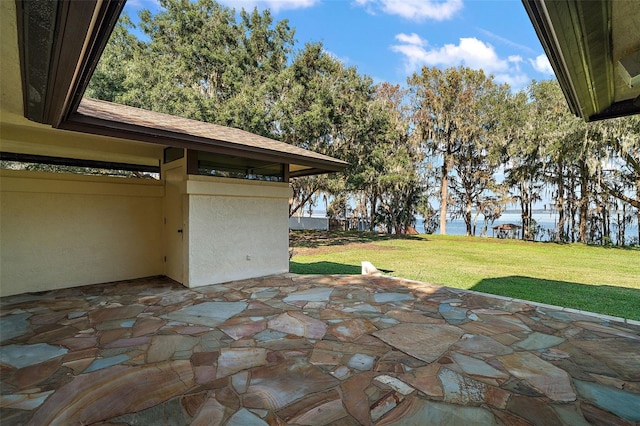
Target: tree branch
{"type": "Point", "coordinates": [619, 195]}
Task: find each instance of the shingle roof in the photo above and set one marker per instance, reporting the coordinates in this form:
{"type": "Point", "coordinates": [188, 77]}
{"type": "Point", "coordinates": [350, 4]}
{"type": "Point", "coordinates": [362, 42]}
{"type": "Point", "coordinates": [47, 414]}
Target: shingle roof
{"type": "Point", "coordinates": [113, 119]}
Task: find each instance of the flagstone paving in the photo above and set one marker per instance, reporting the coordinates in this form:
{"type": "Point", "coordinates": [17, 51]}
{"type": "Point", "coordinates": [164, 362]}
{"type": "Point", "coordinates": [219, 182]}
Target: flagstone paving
{"type": "Point", "coordinates": [309, 350]}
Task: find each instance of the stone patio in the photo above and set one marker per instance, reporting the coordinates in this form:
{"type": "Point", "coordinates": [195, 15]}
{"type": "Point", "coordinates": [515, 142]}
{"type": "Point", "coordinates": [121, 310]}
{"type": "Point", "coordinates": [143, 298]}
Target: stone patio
{"type": "Point", "coordinates": [310, 350]}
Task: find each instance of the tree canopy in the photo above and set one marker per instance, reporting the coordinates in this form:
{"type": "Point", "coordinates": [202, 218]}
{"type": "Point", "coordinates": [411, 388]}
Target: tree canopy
{"type": "Point", "coordinates": [452, 137]}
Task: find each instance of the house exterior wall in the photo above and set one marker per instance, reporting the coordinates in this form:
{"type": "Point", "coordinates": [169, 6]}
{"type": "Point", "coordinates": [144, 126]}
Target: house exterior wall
{"type": "Point", "coordinates": [64, 230]}
{"type": "Point", "coordinates": [236, 229]}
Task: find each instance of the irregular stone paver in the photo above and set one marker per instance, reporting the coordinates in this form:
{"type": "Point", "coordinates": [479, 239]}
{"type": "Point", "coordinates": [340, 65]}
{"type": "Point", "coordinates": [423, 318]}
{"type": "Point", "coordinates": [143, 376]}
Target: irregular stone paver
{"type": "Point", "coordinates": [623, 404]}
{"type": "Point", "coordinates": [323, 414]}
{"type": "Point", "coordinates": [349, 330]}
{"type": "Point", "coordinates": [481, 345]}
{"type": "Point", "coordinates": [461, 390]}
{"type": "Point", "coordinates": [167, 413]}
{"type": "Point", "coordinates": [275, 386]}
{"type": "Point", "coordinates": [476, 367]}
{"type": "Point", "coordinates": [422, 341]}
{"type": "Point", "coordinates": [421, 412]}
{"type": "Point", "coordinates": [392, 297]}
{"type": "Point", "coordinates": [570, 415]}
{"type": "Point", "coordinates": [164, 347]}
{"type": "Point", "coordinates": [101, 363]}
{"type": "Point", "coordinates": [25, 401]}
{"type": "Point", "coordinates": [287, 349]}
{"type": "Point", "coordinates": [211, 413]}
{"type": "Point", "coordinates": [539, 341]}
{"type": "Point", "coordinates": [395, 384]}
{"type": "Point", "coordinates": [211, 314]}
{"type": "Point", "coordinates": [361, 362]}
{"type": "Point", "coordinates": [543, 376]}
{"type": "Point", "coordinates": [453, 315]}
{"type": "Point", "coordinates": [14, 325]}
{"type": "Point", "coordinates": [317, 294]}
{"type": "Point", "coordinates": [298, 324]}
{"type": "Point", "coordinates": [536, 411]}
{"type": "Point", "coordinates": [233, 360]}
{"type": "Point", "coordinates": [415, 317]}
{"type": "Point", "coordinates": [608, 329]}
{"type": "Point", "coordinates": [244, 417]}
{"type": "Point", "coordinates": [111, 392]}
{"type": "Point", "coordinates": [622, 355]}
{"type": "Point", "coordinates": [19, 356]}
{"type": "Point", "coordinates": [425, 379]}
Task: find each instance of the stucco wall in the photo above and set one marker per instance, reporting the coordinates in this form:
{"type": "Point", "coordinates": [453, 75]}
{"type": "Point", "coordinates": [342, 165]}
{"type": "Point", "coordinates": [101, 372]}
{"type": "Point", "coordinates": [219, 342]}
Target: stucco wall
{"type": "Point", "coordinates": [62, 230]}
{"type": "Point", "coordinates": [237, 229]}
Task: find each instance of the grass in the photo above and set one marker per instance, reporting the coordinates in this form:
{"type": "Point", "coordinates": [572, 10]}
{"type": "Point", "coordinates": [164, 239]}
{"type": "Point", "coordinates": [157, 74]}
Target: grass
{"type": "Point", "coordinates": [596, 279]}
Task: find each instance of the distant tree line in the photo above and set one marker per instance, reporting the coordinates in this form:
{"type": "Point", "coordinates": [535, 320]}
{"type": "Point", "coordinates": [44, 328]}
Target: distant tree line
{"type": "Point", "coordinates": [444, 138]}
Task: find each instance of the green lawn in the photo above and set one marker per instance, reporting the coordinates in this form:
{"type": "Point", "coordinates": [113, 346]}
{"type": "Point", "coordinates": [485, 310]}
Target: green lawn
{"type": "Point", "coordinates": [596, 279]}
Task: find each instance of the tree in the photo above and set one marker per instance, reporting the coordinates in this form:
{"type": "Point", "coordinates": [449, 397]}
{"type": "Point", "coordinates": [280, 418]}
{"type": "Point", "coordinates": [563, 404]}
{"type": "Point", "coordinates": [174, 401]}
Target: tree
{"type": "Point", "coordinates": [198, 63]}
{"type": "Point", "coordinates": [549, 124]}
{"type": "Point", "coordinates": [521, 157]}
{"type": "Point", "coordinates": [476, 162]}
{"type": "Point", "coordinates": [452, 111]}
{"type": "Point", "coordinates": [621, 177]}
{"type": "Point", "coordinates": [108, 80]}
{"type": "Point", "coordinates": [306, 115]}
{"type": "Point", "coordinates": [383, 156]}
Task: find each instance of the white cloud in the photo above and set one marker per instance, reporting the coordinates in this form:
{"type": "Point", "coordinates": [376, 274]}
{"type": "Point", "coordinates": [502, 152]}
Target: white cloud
{"type": "Point", "coordinates": [469, 52]}
{"type": "Point", "coordinates": [541, 64]}
{"type": "Point", "coordinates": [416, 10]}
{"type": "Point", "coordinates": [412, 38]}
{"type": "Point", "coordinates": [273, 5]}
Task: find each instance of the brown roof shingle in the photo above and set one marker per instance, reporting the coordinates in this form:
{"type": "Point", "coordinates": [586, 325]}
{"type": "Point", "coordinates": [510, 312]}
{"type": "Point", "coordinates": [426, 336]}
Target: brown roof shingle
{"type": "Point", "coordinates": [111, 119]}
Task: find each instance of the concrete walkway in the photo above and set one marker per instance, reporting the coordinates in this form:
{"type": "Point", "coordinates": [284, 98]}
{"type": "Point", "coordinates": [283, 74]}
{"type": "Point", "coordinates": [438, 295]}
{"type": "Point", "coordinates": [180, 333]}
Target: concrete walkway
{"type": "Point", "coordinates": [310, 350]}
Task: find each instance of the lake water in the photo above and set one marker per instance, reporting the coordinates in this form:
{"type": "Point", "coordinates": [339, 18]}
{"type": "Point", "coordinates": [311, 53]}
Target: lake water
{"type": "Point", "coordinates": [547, 220]}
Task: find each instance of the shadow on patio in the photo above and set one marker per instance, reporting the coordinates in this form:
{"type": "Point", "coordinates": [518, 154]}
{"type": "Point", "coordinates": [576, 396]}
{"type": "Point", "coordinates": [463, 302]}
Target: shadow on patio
{"type": "Point", "coordinates": [309, 350]}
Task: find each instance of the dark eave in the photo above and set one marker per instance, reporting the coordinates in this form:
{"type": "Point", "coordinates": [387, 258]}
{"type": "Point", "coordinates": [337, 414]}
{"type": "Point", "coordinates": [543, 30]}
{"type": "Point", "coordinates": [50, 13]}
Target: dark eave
{"type": "Point", "coordinates": [61, 43]}
{"type": "Point", "coordinates": [584, 40]}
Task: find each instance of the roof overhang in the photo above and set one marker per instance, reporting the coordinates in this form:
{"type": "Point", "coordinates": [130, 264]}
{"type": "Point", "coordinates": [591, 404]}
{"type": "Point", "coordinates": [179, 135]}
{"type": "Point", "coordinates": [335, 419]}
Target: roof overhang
{"type": "Point", "coordinates": [594, 49]}
{"type": "Point", "coordinates": [125, 122]}
{"type": "Point", "coordinates": [60, 43]}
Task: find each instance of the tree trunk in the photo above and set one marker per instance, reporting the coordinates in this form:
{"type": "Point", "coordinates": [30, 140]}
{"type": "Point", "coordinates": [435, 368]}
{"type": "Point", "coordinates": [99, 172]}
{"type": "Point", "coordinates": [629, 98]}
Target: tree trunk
{"type": "Point", "coordinates": [638, 208]}
{"type": "Point", "coordinates": [530, 209]}
{"type": "Point", "coordinates": [560, 203]}
{"type": "Point", "coordinates": [467, 217]}
{"type": "Point", "coordinates": [525, 210]}
{"type": "Point", "coordinates": [622, 225]}
{"type": "Point", "coordinates": [444, 193]}
{"type": "Point", "coordinates": [372, 211]}
{"type": "Point", "coordinates": [584, 202]}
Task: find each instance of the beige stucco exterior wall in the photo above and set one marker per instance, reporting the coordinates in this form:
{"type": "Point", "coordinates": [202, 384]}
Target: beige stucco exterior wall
{"type": "Point", "coordinates": [236, 229]}
{"type": "Point", "coordinates": [63, 230]}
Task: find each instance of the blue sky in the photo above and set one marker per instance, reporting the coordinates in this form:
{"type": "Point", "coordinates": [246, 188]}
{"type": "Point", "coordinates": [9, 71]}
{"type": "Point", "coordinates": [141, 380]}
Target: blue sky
{"type": "Point", "coordinates": [390, 39]}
